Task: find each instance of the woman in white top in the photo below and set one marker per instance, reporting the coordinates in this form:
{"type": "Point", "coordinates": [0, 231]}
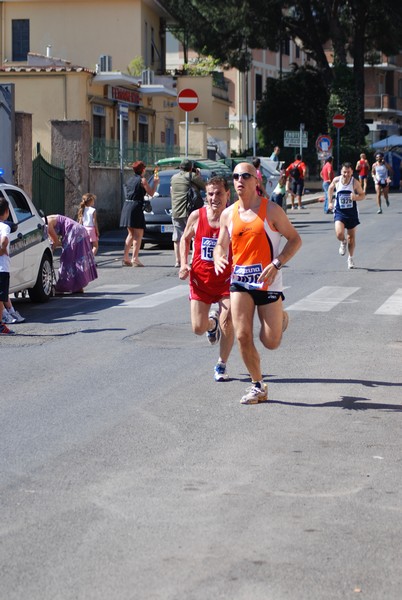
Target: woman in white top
{"type": "Point", "coordinates": [87, 218]}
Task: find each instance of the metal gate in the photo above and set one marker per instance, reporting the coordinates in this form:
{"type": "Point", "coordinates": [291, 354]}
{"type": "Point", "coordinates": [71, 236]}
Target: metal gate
{"type": "Point", "coordinates": [47, 186]}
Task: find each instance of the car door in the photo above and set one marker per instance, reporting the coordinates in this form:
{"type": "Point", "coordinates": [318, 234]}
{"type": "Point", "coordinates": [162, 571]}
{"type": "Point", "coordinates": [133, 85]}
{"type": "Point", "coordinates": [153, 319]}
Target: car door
{"type": "Point", "coordinates": [16, 254]}
{"type": "Point", "coordinates": [26, 243]}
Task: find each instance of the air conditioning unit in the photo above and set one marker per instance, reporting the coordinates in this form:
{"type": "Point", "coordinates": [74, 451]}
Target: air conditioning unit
{"type": "Point", "coordinates": [147, 77]}
{"type": "Point", "coordinates": [105, 62]}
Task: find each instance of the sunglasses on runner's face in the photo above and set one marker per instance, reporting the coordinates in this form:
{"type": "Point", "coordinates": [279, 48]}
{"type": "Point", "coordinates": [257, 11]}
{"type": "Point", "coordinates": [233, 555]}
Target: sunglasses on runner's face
{"type": "Point", "coordinates": [237, 176]}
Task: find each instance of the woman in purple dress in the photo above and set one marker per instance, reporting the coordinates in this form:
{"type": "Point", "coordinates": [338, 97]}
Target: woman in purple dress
{"type": "Point", "coordinates": [77, 263]}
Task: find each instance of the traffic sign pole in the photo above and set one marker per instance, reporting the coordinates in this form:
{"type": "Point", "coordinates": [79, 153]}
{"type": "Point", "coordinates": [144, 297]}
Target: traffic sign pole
{"type": "Point", "coordinates": [338, 131]}
{"type": "Point", "coordinates": [301, 138]}
{"type": "Point", "coordinates": [187, 100]}
{"type": "Point", "coordinates": [338, 121]}
{"type": "Point", "coordinates": [186, 148]}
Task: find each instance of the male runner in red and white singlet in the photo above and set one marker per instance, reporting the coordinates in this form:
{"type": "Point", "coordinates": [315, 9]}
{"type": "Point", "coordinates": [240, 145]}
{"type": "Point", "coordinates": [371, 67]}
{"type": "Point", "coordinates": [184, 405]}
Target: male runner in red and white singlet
{"type": "Point", "coordinates": [206, 286]}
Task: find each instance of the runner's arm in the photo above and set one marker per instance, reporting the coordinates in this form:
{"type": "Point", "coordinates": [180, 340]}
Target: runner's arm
{"type": "Point", "coordinates": [390, 169]}
{"type": "Point", "coordinates": [280, 221]}
{"type": "Point", "coordinates": [189, 233]}
{"type": "Point", "coordinates": [358, 193]}
{"type": "Point", "coordinates": [331, 191]}
{"type": "Point", "coordinates": [221, 250]}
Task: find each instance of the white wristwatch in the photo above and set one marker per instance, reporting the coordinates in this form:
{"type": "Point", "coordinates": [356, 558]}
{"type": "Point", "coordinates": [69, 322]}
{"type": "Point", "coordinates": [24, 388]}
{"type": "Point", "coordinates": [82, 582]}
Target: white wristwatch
{"type": "Point", "coordinates": [277, 263]}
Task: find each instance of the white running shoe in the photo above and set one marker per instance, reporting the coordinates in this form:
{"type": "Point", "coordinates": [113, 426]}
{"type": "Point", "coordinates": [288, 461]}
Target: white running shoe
{"type": "Point", "coordinates": [351, 264]}
{"type": "Point", "coordinates": [7, 317]}
{"type": "Point", "coordinates": [16, 316]}
{"type": "Point", "coordinates": [342, 248]}
{"type": "Point", "coordinates": [257, 392]}
{"type": "Point", "coordinates": [220, 372]}
{"type": "Point", "coordinates": [214, 334]}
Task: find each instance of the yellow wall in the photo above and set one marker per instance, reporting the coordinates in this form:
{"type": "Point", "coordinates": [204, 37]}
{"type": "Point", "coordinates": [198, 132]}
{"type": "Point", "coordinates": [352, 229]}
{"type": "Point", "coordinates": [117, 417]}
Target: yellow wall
{"type": "Point", "coordinates": [81, 30]}
{"type": "Point", "coordinates": [66, 96]}
{"type": "Point", "coordinates": [211, 110]}
{"type": "Point", "coordinates": [49, 97]}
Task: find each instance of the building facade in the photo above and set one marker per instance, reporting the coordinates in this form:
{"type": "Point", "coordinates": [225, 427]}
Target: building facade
{"type": "Point", "coordinates": [96, 41]}
{"type": "Point", "coordinates": [383, 96]}
{"type": "Point", "coordinates": [244, 90]}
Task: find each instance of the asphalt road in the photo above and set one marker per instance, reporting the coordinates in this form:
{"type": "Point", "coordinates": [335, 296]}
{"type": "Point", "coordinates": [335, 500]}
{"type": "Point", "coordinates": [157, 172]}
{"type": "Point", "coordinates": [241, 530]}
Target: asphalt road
{"type": "Point", "coordinates": [128, 473]}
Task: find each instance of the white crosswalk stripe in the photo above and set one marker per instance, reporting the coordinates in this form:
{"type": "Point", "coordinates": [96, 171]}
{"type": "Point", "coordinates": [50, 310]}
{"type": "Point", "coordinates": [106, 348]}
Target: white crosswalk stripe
{"type": "Point", "coordinates": [324, 299]}
{"type": "Point", "coordinates": [158, 298]}
{"type": "Point", "coordinates": [392, 306]}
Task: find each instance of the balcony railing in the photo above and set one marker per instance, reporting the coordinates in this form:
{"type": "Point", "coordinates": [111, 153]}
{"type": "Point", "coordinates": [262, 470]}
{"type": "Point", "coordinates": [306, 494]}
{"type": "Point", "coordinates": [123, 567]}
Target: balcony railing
{"type": "Point", "coordinates": [107, 153]}
{"type": "Point", "coordinates": [381, 102]}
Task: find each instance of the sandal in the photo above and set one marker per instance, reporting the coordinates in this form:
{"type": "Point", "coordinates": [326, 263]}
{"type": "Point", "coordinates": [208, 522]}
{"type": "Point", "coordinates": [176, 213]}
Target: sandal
{"type": "Point", "coordinates": [137, 263]}
{"type": "Point", "coordinates": [125, 263]}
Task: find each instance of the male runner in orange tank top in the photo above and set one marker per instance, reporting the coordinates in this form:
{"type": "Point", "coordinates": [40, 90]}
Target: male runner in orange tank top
{"type": "Point", "coordinates": [253, 226]}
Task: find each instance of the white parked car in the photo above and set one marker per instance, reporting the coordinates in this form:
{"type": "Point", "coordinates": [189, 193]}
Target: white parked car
{"type": "Point", "coordinates": [30, 249]}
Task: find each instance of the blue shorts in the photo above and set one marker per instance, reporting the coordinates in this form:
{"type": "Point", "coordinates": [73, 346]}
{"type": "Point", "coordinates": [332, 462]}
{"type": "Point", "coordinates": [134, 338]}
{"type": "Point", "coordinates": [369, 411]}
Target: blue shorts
{"type": "Point", "coordinates": [349, 222]}
{"type": "Point", "coordinates": [4, 286]}
{"type": "Point", "coordinates": [260, 297]}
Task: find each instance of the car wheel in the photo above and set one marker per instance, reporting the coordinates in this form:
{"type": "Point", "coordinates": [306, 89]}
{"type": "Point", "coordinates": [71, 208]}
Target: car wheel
{"type": "Point", "coordinates": [42, 290]}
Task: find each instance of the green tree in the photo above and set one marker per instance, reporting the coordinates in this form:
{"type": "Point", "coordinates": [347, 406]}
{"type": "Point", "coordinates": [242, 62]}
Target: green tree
{"type": "Point", "coordinates": [281, 109]}
{"type": "Point", "coordinates": [136, 66]}
{"type": "Point", "coordinates": [226, 30]}
{"type": "Point", "coordinates": [355, 27]}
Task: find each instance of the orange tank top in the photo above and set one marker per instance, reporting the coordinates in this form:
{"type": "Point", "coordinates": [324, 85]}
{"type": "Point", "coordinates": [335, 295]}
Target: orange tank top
{"type": "Point", "coordinates": [254, 245]}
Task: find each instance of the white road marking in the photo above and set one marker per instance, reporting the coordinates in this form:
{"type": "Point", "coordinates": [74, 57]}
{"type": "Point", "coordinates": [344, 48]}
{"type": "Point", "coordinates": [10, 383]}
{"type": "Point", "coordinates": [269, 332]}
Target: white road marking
{"type": "Point", "coordinates": [158, 298]}
{"type": "Point", "coordinates": [113, 288]}
{"type": "Point", "coordinates": [324, 299]}
{"type": "Point", "coordinates": [392, 306]}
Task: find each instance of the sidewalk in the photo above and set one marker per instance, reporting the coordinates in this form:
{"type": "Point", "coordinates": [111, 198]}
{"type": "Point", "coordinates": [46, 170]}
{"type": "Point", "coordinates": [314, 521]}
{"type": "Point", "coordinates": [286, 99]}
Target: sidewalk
{"type": "Point", "coordinates": [310, 198]}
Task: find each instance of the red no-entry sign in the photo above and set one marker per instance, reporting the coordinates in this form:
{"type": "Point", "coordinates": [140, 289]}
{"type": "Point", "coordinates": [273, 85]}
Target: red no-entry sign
{"type": "Point", "coordinates": [338, 121]}
{"type": "Point", "coordinates": [187, 100]}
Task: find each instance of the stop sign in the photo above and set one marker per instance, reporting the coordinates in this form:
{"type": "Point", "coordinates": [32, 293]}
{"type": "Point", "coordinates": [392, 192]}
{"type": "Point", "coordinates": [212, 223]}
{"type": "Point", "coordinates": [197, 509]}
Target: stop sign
{"type": "Point", "coordinates": [338, 121]}
{"type": "Point", "coordinates": [187, 100]}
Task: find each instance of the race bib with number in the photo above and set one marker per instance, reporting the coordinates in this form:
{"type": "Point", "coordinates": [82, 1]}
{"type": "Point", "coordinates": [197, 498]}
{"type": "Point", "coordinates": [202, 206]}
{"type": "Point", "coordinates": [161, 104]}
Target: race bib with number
{"type": "Point", "coordinates": [247, 276]}
{"type": "Point", "coordinates": [207, 248]}
{"type": "Point", "coordinates": [345, 200]}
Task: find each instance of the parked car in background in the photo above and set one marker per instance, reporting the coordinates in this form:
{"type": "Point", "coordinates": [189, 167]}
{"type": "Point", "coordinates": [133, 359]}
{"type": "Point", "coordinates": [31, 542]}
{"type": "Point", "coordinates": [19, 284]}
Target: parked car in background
{"type": "Point", "coordinates": [30, 250]}
{"type": "Point", "coordinates": [158, 222]}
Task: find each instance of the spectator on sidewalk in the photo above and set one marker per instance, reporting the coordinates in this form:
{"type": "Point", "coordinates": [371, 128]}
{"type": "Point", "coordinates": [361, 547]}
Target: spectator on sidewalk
{"type": "Point", "coordinates": [179, 186]}
{"type": "Point", "coordinates": [275, 156]}
{"type": "Point", "coordinates": [297, 171]}
{"type": "Point", "coordinates": [261, 191]}
{"type": "Point", "coordinates": [327, 174]}
{"type": "Point", "coordinates": [77, 262]}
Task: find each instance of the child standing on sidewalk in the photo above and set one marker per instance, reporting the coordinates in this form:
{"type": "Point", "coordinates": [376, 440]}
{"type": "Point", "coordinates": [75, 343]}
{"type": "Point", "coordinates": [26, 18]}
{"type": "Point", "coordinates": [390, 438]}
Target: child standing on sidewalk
{"type": "Point", "coordinates": [280, 191]}
{"type": "Point", "coordinates": [10, 314]}
{"type": "Point", "coordinates": [87, 218]}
